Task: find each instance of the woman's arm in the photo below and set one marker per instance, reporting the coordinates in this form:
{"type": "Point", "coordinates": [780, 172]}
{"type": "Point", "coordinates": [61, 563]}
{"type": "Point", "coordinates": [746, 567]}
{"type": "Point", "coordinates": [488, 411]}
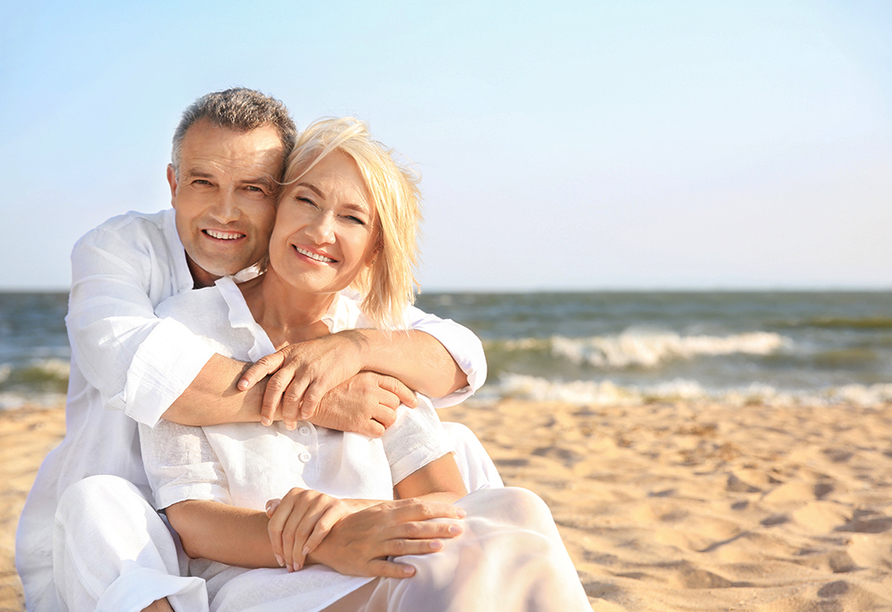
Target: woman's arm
{"type": "Point", "coordinates": [364, 533]}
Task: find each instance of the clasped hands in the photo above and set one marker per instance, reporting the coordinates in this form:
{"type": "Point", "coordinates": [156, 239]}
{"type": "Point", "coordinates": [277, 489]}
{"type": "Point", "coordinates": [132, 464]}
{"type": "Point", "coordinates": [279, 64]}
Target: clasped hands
{"type": "Point", "coordinates": [355, 537]}
{"type": "Point", "coordinates": [323, 381]}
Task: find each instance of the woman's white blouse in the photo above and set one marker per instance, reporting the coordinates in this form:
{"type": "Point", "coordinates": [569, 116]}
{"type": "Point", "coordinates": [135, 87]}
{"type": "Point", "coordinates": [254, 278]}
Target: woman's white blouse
{"type": "Point", "coordinates": [246, 464]}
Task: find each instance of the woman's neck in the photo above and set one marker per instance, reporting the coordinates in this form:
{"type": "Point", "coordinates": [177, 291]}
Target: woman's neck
{"type": "Point", "coordinates": [286, 314]}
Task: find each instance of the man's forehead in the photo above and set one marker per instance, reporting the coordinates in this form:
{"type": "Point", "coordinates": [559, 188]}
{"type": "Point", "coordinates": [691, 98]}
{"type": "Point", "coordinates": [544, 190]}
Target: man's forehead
{"type": "Point", "coordinates": [209, 148]}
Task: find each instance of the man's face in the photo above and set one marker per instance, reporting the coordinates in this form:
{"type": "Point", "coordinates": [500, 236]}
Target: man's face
{"type": "Point", "coordinates": [225, 197]}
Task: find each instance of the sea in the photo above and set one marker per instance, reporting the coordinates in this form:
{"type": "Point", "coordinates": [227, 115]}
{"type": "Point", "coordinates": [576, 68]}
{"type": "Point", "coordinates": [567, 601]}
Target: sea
{"type": "Point", "coordinates": [591, 348]}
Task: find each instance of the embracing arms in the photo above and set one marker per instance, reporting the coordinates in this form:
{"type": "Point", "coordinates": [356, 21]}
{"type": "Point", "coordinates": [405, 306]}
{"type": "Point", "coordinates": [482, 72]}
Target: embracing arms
{"type": "Point", "coordinates": [150, 367]}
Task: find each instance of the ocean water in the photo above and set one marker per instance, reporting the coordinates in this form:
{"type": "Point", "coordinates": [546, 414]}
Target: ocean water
{"type": "Point", "coordinates": [592, 348]}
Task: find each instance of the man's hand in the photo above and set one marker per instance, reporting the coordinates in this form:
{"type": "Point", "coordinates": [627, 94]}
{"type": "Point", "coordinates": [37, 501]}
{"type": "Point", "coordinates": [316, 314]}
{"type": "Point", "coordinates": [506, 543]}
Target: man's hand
{"type": "Point", "coordinates": [366, 404]}
{"type": "Point", "coordinates": [359, 544]}
{"type": "Point", "coordinates": [302, 374]}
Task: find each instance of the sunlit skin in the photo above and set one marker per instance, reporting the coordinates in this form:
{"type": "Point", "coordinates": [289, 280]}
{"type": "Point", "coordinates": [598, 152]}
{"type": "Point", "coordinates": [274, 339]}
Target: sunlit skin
{"type": "Point", "coordinates": [324, 236]}
{"type": "Point", "coordinates": [225, 197]}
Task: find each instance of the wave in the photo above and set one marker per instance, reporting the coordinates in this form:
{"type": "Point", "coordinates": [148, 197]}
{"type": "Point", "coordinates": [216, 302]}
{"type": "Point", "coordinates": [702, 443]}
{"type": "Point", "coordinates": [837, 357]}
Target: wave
{"type": "Point", "coordinates": [606, 392]}
{"type": "Point", "coordinates": [647, 349]}
{"type": "Point", "coordinates": [35, 376]}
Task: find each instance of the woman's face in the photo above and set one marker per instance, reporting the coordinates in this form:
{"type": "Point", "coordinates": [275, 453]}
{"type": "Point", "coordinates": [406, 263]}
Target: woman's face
{"type": "Point", "coordinates": [324, 234]}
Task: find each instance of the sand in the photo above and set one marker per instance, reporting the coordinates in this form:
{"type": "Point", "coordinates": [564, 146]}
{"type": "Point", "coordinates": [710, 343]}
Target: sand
{"type": "Point", "coordinates": [663, 506]}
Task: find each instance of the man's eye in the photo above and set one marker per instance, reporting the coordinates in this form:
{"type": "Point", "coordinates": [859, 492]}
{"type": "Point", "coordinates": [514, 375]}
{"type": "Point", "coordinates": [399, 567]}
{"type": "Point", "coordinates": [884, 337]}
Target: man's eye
{"type": "Point", "coordinates": [254, 188]}
{"type": "Point", "coordinates": [201, 182]}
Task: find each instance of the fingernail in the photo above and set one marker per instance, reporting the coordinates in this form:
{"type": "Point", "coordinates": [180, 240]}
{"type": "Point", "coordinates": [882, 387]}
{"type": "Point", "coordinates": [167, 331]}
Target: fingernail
{"type": "Point", "coordinates": [305, 551]}
{"type": "Point", "coordinates": [290, 568]}
{"type": "Point", "coordinates": [242, 385]}
{"type": "Point", "coordinates": [436, 545]}
{"type": "Point", "coordinates": [454, 530]}
{"type": "Point", "coordinates": [408, 570]}
{"type": "Point", "coordinates": [280, 560]}
{"type": "Point", "coordinates": [266, 420]}
{"type": "Point", "coordinates": [461, 513]}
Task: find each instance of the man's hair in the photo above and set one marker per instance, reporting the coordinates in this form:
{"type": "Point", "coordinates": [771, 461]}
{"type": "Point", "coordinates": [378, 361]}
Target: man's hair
{"type": "Point", "coordinates": [238, 109]}
{"type": "Point", "coordinates": [389, 284]}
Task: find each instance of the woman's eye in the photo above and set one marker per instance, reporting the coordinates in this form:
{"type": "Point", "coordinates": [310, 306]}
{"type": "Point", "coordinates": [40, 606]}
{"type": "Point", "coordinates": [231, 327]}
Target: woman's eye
{"type": "Point", "coordinates": [353, 219]}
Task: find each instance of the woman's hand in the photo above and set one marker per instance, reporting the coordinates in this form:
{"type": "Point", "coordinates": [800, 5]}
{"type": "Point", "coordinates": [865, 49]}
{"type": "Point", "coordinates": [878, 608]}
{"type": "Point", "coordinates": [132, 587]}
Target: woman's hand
{"type": "Point", "coordinates": [302, 374]}
{"type": "Point", "coordinates": [300, 520]}
{"type": "Point", "coordinates": [359, 544]}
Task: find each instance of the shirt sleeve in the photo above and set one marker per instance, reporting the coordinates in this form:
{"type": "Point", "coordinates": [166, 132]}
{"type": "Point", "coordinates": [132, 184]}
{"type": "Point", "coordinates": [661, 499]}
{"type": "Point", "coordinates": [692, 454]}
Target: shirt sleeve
{"type": "Point", "coordinates": [181, 464]}
{"type": "Point", "coordinates": [464, 346]}
{"type": "Point", "coordinates": [414, 440]}
{"type": "Point", "coordinates": [138, 363]}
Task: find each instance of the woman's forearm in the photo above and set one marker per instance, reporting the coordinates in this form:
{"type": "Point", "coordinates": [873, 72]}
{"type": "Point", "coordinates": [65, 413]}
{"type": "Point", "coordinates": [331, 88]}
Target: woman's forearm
{"type": "Point", "coordinates": [216, 531]}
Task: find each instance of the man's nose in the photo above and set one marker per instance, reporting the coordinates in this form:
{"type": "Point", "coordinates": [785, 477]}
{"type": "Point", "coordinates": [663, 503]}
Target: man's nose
{"type": "Point", "coordinates": [225, 208]}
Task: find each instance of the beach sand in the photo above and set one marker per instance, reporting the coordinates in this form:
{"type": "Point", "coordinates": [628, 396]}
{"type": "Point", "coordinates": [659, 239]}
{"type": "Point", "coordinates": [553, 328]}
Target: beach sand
{"type": "Point", "coordinates": [662, 506]}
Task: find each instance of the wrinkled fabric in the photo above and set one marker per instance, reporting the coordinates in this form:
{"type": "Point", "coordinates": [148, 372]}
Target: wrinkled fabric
{"type": "Point", "coordinates": [128, 366]}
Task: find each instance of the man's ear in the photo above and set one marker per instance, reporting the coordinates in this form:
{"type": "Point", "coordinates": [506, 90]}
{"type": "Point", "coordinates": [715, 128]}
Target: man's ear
{"type": "Point", "coordinates": [172, 181]}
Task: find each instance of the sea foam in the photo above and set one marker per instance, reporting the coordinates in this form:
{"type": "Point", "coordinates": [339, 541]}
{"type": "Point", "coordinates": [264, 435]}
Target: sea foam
{"type": "Point", "coordinates": [607, 392]}
{"type": "Point", "coordinates": [646, 349]}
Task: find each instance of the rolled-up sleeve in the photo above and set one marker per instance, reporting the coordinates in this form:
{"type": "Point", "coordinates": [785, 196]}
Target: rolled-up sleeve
{"type": "Point", "coordinates": [464, 346]}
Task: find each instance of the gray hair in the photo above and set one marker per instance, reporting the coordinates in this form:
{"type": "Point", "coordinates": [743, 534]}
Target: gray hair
{"type": "Point", "coordinates": [238, 109]}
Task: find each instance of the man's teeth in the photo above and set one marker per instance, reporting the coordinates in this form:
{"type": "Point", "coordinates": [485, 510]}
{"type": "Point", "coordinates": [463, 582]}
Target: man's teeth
{"type": "Point", "coordinates": [222, 235]}
{"type": "Point", "coordinates": [321, 258]}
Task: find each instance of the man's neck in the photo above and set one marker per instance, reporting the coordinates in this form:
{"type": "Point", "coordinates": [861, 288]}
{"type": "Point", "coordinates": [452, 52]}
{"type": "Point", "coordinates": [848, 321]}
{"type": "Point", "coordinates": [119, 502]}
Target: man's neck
{"type": "Point", "coordinates": [200, 276]}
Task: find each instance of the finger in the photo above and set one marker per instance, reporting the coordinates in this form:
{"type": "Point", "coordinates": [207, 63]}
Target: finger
{"type": "Point", "coordinates": [385, 415]}
{"type": "Point", "coordinates": [315, 512]}
{"type": "Point", "coordinates": [371, 429]}
{"type": "Point", "coordinates": [275, 529]}
{"type": "Point", "coordinates": [286, 396]}
{"type": "Point", "coordinates": [311, 397]}
{"type": "Point", "coordinates": [260, 370]}
{"type": "Point", "coordinates": [398, 548]}
{"type": "Point", "coordinates": [409, 510]}
{"type": "Point", "coordinates": [323, 527]}
{"type": "Point", "coordinates": [388, 569]}
{"type": "Point", "coordinates": [424, 531]}
{"type": "Point", "coordinates": [271, 506]}
{"type": "Point", "coordinates": [405, 394]}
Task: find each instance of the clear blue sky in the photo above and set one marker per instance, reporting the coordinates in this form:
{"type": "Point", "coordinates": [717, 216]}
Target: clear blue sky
{"type": "Point", "coordinates": [563, 145]}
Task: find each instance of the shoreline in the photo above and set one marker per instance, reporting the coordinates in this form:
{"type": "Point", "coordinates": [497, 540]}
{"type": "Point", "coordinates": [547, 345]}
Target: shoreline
{"type": "Point", "coordinates": [665, 506]}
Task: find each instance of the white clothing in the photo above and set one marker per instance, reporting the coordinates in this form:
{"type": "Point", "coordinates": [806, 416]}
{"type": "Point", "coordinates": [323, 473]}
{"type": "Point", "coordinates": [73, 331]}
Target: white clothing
{"type": "Point", "coordinates": [129, 366]}
{"type": "Point", "coordinates": [245, 465]}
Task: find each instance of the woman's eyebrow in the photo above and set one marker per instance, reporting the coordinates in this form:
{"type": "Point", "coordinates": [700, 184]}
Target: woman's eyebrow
{"type": "Point", "coordinates": [312, 188]}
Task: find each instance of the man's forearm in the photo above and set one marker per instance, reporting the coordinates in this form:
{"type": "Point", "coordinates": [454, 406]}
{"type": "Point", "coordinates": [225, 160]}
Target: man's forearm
{"type": "Point", "coordinates": [213, 398]}
{"type": "Point", "coordinates": [414, 357]}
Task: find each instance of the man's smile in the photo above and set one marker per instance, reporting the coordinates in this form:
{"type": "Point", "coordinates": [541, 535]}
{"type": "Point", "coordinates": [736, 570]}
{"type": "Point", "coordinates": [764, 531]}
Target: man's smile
{"type": "Point", "coordinates": [220, 235]}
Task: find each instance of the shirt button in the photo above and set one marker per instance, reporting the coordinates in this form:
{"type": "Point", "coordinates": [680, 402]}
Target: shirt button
{"type": "Point", "coordinates": [304, 457]}
{"type": "Point", "coordinates": [303, 430]}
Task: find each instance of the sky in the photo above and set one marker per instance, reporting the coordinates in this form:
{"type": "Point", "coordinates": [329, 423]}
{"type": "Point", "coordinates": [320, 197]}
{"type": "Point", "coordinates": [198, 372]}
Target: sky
{"type": "Point", "coordinates": [563, 145]}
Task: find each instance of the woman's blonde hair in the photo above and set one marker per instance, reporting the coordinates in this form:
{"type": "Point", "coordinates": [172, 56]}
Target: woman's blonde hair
{"type": "Point", "coordinates": [388, 285]}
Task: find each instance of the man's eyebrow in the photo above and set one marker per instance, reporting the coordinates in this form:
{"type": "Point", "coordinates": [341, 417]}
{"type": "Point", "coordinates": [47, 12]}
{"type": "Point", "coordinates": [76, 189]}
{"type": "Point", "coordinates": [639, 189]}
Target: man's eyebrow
{"type": "Point", "coordinates": [263, 179]}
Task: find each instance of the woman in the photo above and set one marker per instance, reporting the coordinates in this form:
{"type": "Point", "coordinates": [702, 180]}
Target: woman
{"type": "Point", "coordinates": [312, 510]}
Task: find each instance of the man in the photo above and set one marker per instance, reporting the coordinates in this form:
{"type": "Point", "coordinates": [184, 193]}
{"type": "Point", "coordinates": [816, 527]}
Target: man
{"type": "Point", "coordinates": [107, 549]}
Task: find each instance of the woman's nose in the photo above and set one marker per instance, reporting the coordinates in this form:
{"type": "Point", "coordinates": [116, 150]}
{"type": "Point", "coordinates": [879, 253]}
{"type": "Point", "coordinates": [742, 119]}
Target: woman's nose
{"type": "Point", "coordinates": [322, 229]}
